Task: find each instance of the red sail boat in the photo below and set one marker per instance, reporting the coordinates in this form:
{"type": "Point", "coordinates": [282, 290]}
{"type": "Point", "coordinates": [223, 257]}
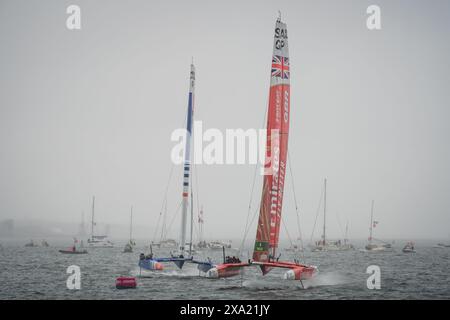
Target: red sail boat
{"type": "Point", "coordinates": [268, 229]}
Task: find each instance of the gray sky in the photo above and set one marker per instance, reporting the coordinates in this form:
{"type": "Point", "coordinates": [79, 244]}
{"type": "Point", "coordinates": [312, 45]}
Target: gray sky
{"type": "Point", "coordinates": [91, 111]}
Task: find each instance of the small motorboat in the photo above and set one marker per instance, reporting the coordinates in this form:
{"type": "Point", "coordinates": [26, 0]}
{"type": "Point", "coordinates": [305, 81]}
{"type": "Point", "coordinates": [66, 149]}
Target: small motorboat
{"type": "Point", "coordinates": [73, 249]}
{"type": "Point", "coordinates": [409, 247]}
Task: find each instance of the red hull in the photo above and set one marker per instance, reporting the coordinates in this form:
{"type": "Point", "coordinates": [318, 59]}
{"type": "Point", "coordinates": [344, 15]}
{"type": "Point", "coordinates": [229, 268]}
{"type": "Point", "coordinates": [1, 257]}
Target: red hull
{"type": "Point", "coordinates": [226, 270]}
{"type": "Point", "coordinates": [295, 272]}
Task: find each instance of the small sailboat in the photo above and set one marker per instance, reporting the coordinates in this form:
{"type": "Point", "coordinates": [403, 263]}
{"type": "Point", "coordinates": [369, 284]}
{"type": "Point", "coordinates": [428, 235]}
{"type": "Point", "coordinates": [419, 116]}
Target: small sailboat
{"type": "Point", "coordinates": [74, 249]}
{"type": "Point", "coordinates": [96, 241]}
{"type": "Point", "coordinates": [181, 255]}
{"type": "Point", "coordinates": [164, 242]}
{"type": "Point", "coordinates": [218, 245]}
{"type": "Point", "coordinates": [131, 243]}
{"type": "Point", "coordinates": [329, 245]}
{"type": "Point", "coordinates": [31, 244]}
{"type": "Point", "coordinates": [293, 248]}
{"type": "Point", "coordinates": [372, 246]}
{"type": "Point", "coordinates": [347, 244]}
{"type": "Point", "coordinates": [44, 243]}
{"type": "Point", "coordinates": [409, 247]}
{"type": "Point", "coordinates": [269, 222]}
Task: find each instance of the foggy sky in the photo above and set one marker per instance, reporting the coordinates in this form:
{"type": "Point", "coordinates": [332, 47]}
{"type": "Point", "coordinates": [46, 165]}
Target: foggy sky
{"type": "Point", "coordinates": [90, 112]}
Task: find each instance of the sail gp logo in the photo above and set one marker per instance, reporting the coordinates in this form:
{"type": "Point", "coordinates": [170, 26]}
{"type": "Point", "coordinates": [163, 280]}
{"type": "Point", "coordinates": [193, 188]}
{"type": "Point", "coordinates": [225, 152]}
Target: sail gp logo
{"type": "Point", "coordinates": [236, 146]}
{"type": "Point", "coordinates": [280, 37]}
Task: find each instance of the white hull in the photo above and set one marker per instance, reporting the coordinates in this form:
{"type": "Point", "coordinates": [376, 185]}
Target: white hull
{"type": "Point", "coordinates": [377, 248]}
{"type": "Point", "coordinates": [326, 248]}
{"type": "Point", "coordinates": [100, 244]}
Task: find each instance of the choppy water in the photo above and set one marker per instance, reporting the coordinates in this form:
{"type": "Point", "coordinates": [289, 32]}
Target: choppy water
{"type": "Point", "coordinates": [40, 273]}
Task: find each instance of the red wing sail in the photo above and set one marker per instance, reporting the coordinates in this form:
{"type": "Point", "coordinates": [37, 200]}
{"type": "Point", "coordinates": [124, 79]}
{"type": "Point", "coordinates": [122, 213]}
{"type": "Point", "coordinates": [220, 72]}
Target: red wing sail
{"type": "Point", "coordinates": [269, 221]}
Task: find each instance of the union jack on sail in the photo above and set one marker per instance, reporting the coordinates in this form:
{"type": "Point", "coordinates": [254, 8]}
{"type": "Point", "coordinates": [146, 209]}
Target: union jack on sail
{"type": "Point", "coordinates": [280, 67]}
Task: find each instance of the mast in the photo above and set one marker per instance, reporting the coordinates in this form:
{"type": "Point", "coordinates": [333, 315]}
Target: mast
{"type": "Point", "coordinates": [92, 221]}
{"type": "Point", "coordinates": [346, 233]}
{"type": "Point", "coordinates": [371, 223]}
{"type": "Point", "coordinates": [82, 229]}
{"type": "Point", "coordinates": [131, 223]}
{"type": "Point", "coordinates": [200, 224]}
{"type": "Point", "coordinates": [192, 221]}
{"type": "Point", "coordinates": [187, 159]}
{"type": "Point", "coordinates": [324, 209]}
{"type": "Point", "coordinates": [163, 229]}
{"type": "Point", "coordinates": [267, 234]}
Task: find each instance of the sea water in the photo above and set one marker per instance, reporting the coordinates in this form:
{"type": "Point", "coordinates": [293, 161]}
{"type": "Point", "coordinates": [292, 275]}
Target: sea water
{"type": "Point", "coordinates": [41, 273]}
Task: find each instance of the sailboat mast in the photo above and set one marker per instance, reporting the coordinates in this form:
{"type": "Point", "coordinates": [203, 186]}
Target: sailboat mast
{"type": "Point", "coordinates": [131, 223]}
{"type": "Point", "coordinates": [92, 221]}
{"type": "Point", "coordinates": [187, 159]}
{"type": "Point", "coordinates": [371, 223]}
{"type": "Point", "coordinates": [200, 224]}
{"type": "Point", "coordinates": [192, 221]}
{"type": "Point", "coordinates": [324, 209]}
{"type": "Point", "coordinates": [346, 233]}
{"type": "Point", "coordinates": [278, 114]}
{"type": "Point", "coordinates": [82, 230]}
{"type": "Point", "coordinates": [163, 229]}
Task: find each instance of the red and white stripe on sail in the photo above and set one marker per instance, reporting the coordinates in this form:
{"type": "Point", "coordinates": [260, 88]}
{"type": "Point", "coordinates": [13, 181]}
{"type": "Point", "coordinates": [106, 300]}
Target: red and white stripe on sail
{"type": "Point", "coordinates": [267, 234]}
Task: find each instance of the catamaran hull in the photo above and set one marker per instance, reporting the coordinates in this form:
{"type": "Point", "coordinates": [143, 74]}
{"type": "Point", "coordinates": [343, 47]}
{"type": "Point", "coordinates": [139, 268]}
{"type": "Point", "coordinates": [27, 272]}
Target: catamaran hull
{"type": "Point", "coordinates": [149, 264]}
{"type": "Point", "coordinates": [226, 270]}
{"type": "Point", "coordinates": [301, 273]}
{"type": "Point", "coordinates": [296, 272]}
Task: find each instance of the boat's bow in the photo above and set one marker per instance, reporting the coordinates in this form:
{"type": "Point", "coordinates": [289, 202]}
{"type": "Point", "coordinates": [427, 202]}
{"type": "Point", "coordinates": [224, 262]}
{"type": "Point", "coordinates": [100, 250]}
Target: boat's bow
{"type": "Point", "coordinates": [226, 270]}
{"type": "Point", "coordinates": [296, 271]}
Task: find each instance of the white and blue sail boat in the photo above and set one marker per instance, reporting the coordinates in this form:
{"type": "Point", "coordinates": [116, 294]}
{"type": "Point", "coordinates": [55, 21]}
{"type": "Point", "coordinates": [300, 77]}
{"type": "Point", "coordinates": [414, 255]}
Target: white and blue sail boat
{"type": "Point", "coordinates": [182, 253]}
